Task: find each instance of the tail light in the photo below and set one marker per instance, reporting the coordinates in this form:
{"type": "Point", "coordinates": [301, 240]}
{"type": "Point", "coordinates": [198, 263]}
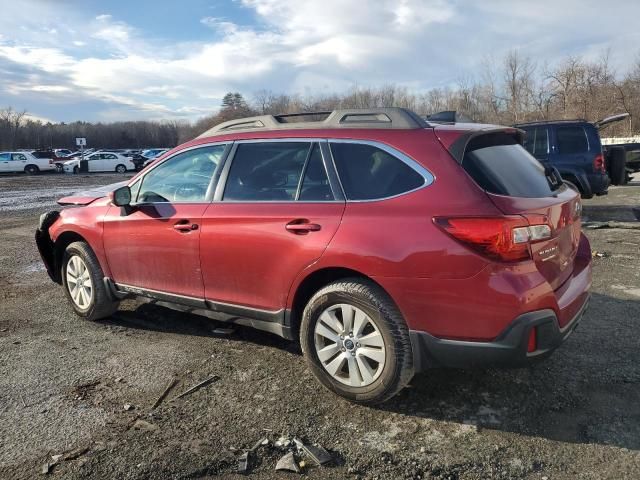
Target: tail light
{"type": "Point", "coordinates": [599, 164]}
{"type": "Point", "coordinates": [505, 239]}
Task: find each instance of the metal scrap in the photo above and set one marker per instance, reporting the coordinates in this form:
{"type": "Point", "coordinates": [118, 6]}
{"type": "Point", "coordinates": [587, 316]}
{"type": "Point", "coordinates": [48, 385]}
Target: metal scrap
{"type": "Point", "coordinates": [318, 454]}
{"type": "Point", "coordinates": [198, 386]}
{"type": "Point", "coordinates": [244, 462]}
{"type": "Point", "coordinates": [288, 463]}
{"type": "Point", "coordinates": [164, 394]}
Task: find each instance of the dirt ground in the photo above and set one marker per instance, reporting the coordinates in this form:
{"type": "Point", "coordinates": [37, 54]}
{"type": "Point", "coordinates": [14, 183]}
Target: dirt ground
{"type": "Point", "coordinates": [64, 384]}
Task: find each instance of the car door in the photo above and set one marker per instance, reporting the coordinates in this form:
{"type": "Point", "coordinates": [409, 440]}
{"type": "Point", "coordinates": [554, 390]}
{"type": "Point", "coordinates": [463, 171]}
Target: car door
{"type": "Point", "coordinates": [571, 149]}
{"type": "Point", "coordinates": [5, 162]}
{"type": "Point", "coordinates": [275, 212]}
{"type": "Point", "coordinates": [536, 142]}
{"type": "Point", "coordinates": [157, 245]}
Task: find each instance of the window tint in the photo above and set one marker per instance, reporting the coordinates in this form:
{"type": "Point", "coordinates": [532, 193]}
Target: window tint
{"type": "Point", "coordinates": [572, 140]}
{"type": "Point", "coordinates": [536, 141]}
{"type": "Point", "coordinates": [184, 178]}
{"type": "Point", "coordinates": [315, 186]}
{"type": "Point", "coordinates": [500, 165]}
{"type": "Point", "coordinates": [367, 172]}
{"type": "Point", "coordinates": [266, 171]}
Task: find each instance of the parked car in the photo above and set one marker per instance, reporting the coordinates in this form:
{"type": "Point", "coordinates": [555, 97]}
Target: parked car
{"type": "Point", "coordinates": [50, 154]}
{"type": "Point", "coordinates": [632, 154]}
{"type": "Point", "coordinates": [384, 244]}
{"type": "Point", "coordinates": [63, 152]}
{"type": "Point", "coordinates": [154, 153]}
{"type": "Point", "coordinates": [138, 160]}
{"type": "Point", "coordinates": [574, 148]}
{"type": "Point", "coordinates": [101, 162]}
{"type": "Point", "coordinates": [24, 162]}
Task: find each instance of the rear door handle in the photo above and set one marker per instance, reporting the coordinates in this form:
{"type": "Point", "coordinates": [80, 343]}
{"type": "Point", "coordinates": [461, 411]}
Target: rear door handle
{"type": "Point", "coordinates": [302, 227]}
{"type": "Point", "coordinates": [185, 226]}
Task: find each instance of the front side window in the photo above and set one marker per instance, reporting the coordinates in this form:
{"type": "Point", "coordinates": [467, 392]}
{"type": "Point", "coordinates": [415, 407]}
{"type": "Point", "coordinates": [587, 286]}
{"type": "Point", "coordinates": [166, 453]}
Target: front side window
{"type": "Point", "coordinates": [572, 140]}
{"type": "Point", "coordinates": [184, 178]}
{"type": "Point", "coordinates": [369, 173]}
{"type": "Point", "coordinates": [266, 171]}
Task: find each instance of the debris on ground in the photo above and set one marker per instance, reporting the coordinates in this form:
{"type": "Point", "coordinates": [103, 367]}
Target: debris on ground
{"type": "Point", "coordinates": [128, 406]}
{"type": "Point", "coordinates": [164, 394]}
{"type": "Point", "coordinates": [318, 454]}
{"type": "Point", "coordinates": [288, 463]}
{"type": "Point", "coordinates": [223, 331]}
{"type": "Point", "coordinates": [144, 425]}
{"type": "Point", "coordinates": [63, 457]}
{"type": "Point", "coordinates": [243, 462]}
{"type": "Point", "coordinates": [611, 224]}
{"type": "Point", "coordinates": [198, 386]}
{"type": "Point", "coordinates": [596, 254]}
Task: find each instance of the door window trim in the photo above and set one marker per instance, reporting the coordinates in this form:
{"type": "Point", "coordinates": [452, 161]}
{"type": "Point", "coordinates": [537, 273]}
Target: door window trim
{"type": "Point", "coordinates": [212, 183]}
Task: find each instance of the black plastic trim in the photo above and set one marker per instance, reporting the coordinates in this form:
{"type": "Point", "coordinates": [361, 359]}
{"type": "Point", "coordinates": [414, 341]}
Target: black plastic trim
{"type": "Point", "coordinates": [509, 349]}
{"type": "Point", "coordinates": [45, 245]}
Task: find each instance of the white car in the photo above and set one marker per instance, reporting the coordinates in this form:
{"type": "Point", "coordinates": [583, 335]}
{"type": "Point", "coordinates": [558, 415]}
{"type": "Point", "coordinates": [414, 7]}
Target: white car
{"type": "Point", "coordinates": [24, 162]}
{"type": "Point", "coordinates": [101, 162]}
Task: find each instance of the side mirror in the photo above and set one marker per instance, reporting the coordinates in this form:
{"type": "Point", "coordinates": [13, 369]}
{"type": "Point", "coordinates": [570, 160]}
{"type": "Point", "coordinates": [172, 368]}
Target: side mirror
{"type": "Point", "coordinates": [121, 197]}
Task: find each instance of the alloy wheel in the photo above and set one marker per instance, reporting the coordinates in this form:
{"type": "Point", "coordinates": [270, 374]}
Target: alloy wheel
{"type": "Point", "coordinates": [349, 345]}
{"type": "Point", "coordinates": [79, 282]}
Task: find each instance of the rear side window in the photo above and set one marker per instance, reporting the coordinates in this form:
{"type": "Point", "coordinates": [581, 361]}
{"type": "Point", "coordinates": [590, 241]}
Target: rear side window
{"type": "Point", "coordinates": [572, 140]}
{"type": "Point", "coordinates": [368, 173]}
{"type": "Point", "coordinates": [536, 141]}
{"type": "Point", "coordinates": [266, 171]}
{"type": "Point", "coordinates": [500, 165]}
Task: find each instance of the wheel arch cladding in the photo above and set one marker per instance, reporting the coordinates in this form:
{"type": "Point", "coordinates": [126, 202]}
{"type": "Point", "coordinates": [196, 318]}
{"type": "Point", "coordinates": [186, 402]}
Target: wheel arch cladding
{"type": "Point", "coordinates": [313, 282]}
{"type": "Point", "coordinates": [62, 242]}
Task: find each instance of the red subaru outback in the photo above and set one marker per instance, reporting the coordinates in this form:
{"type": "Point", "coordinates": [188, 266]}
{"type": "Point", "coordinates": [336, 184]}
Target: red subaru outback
{"type": "Point", "coordinates": [385, 244]}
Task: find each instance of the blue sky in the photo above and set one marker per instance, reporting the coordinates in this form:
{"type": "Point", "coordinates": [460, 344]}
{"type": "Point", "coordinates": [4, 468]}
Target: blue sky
{"type": "Point", "coordinates": [68, 60]}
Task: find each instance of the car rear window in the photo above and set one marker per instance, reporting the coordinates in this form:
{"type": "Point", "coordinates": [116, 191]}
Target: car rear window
{"type": "Point", "coordinates": [572, 140]}
{"type": "Point", "coordinates": [500, 165]}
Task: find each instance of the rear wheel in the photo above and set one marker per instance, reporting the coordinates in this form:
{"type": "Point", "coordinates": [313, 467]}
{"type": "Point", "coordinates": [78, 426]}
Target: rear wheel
{"type": "Point", "coordinates": [121, 169]}
{"type": "Point", "coordinates": [31, 170]}
{"type": "Point", "coordinates": [356, 342]}
{"type": "Point", "coordinates": [83, 281]}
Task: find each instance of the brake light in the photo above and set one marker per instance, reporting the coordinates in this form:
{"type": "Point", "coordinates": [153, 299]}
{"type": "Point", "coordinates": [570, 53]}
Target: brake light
{"type": "Point", "coordinates": [505, 238]}
{"type": "Point", "coordinates": [599, 165]}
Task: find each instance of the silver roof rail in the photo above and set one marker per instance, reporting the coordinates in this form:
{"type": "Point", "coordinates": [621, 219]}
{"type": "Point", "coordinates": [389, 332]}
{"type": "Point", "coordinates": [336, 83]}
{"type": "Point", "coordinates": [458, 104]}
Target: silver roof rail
{"type": "Point", "coordinates": [392, 118]}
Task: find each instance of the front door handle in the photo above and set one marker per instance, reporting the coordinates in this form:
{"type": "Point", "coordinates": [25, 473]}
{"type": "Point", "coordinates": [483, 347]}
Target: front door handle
{"type": "Point", "coordinates": [302, 227]}
{"type": "Point", "coordinates": [185, 226]}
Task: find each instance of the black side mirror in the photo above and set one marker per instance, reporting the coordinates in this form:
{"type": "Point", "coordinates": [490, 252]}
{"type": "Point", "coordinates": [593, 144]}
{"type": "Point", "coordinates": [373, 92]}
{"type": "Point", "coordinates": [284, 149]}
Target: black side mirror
{"type": "Point", "coordinates": [121, 197]}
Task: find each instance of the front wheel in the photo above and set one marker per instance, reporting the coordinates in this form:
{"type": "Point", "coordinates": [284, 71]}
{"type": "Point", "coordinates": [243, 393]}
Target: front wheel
{"type": "Point", "coordinates": [356, 342]}
{"type": "Point", "coordinates": [76, 170]}
{"type": "Point", "coordinates": [121, 169]}
{"type": "Point", "coordinates": [83, 282]}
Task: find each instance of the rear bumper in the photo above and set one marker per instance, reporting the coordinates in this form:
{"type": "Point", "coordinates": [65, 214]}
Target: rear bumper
{"type": "Point", "coordinates": [598, 183]}
{"type": "Point", "coordinates": [509, 349]}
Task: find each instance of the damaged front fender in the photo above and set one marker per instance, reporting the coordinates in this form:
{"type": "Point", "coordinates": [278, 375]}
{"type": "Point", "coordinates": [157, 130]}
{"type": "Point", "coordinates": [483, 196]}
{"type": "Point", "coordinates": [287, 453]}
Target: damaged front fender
{"type": "Point", "coordinates": [45, 244]}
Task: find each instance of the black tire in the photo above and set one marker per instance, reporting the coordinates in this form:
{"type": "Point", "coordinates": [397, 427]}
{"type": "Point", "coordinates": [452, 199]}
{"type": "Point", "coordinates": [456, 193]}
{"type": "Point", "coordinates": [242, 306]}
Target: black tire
{"type": "Point", "coordinates": [101, 304]}
{"type": "Point", "coordinates": [76, 170]}
{"type": "Point", "coordinates": [121, 169]}
{"type": "Point", "coordinates": [618, 165]}
{"type": "Point", "coordinates": [59, 168]}
{"type": "Point", "coordinates": [31, 170]}
{"type": "Point", "coordinates": [376, 303]}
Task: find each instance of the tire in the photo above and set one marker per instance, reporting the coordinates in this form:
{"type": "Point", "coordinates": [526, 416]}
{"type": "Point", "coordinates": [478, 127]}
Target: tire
{"type": "Point", "coordinates": [76, 170]}
{"type": "Point", "coordinates": [31, 170]}
{"type": "Point", "coordinates": [618, 165]}
{"type": "Point", "coordinates": [121, 169]}
{"type": "Point", "coordinates": [59, 168]}
{"type": "Point", "coordinates": [385, 324]}
{"type": "Point", "coordinates": [95, 304]}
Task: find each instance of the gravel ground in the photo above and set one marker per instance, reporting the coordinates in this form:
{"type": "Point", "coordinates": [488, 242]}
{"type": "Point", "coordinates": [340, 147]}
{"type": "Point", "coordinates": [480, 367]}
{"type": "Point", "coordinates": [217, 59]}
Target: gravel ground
{"type": "Point", "coordinates": [64, 384]}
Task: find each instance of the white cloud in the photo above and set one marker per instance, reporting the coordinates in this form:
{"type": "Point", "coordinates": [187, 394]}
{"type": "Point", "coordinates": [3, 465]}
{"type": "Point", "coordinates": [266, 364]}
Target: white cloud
{"type": "Point", "coordinates": [296, 45]}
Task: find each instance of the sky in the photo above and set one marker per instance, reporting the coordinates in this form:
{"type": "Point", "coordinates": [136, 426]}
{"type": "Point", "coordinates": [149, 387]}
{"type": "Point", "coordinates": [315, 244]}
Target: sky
{"type": "Point", "coordinates": [91, 60]}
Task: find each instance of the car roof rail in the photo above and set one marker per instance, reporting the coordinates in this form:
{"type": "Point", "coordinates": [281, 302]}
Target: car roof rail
{"type": "Point", "coordinates": [543, 122]}
{"type": "Point", "coordinates": [391, 118]}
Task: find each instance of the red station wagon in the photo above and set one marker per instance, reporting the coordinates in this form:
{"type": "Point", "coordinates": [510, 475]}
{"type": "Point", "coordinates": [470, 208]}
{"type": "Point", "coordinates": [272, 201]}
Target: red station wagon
{"type": "Point", "coordinates": [386, 244]}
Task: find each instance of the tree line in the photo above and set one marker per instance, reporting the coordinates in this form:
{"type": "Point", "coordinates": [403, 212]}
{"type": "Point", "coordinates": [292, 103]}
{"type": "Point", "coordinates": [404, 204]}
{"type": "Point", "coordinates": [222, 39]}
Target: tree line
{"type": "Point", "coordinates": [506, 91]}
